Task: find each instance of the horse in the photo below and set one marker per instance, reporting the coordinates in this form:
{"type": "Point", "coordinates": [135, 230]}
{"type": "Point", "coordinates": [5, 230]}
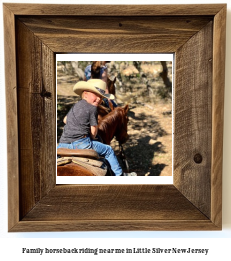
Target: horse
{"type": "Point", "coordinates": [111, 85]}
{"type": "Point", "coordinates": [114, 124]}
{"type": "Point", "coordinates": [104, 110]}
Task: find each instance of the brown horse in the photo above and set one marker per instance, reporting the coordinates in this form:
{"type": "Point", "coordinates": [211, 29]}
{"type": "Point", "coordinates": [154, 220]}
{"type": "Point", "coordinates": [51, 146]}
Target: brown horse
{"type": "Point", "coordinates": [114, 124]}
{"type": "Point", "coordinates": [102, 112]}
{"type": "Point", "coordinates": [111, 85]}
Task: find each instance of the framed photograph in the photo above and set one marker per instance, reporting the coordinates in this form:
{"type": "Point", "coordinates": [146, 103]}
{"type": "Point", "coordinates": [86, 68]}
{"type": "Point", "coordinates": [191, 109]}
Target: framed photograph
{"type": "Point", "coordinates": [34, 34]}
{"type": "Point", "coordinates": [146, 86]}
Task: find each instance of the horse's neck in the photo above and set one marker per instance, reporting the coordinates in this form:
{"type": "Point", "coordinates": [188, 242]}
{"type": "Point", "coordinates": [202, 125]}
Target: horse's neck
{"type": "Point", "coordinates": [107, 129]}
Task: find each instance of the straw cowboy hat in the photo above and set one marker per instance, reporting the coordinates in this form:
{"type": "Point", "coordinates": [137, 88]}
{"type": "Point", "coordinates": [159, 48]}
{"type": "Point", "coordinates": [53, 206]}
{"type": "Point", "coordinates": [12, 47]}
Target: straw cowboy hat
{"type": "Point", "coordinates": [93, 85]}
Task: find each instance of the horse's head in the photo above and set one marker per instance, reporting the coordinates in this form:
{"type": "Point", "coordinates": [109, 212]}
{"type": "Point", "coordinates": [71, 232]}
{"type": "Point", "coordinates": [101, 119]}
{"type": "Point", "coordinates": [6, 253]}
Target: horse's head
{"type": "Point", "coordinates": [114, 124]}
{"type": "Point", "coordinates": [122, 131]}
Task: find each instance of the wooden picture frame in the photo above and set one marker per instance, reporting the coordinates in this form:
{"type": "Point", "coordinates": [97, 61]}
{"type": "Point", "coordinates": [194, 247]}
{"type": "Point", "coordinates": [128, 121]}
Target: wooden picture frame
{"type": "Point", "coordinates": [33, 34]}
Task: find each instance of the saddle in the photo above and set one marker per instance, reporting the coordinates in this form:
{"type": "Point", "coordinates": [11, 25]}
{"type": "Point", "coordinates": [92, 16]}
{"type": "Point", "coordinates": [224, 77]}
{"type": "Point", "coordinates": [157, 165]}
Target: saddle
{"type": "Point", "coordinates": [86, 158]}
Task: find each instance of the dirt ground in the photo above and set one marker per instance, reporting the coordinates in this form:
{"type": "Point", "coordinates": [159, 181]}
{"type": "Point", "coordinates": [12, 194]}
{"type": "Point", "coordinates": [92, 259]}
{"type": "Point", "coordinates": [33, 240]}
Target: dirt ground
{"type": "Point", "coordinates": [149, 148]}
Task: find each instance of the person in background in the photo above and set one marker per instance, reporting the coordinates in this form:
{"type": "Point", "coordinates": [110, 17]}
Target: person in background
{"type": "Point", "coordinates": [103, 71]}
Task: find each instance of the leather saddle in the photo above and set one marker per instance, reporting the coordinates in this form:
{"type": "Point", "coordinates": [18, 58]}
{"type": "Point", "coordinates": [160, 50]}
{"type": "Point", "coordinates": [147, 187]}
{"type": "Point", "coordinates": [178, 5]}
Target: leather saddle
{"type": "Point", "coordinates": [86, 158]}
{"type": "Point", "coordinates": [85, 153]}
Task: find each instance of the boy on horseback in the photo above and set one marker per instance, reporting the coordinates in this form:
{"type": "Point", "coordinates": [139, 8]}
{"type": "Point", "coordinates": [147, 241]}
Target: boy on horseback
{"type": "Point", "coordinates": [98, 70]}
{"type": "Point", "coordinates": [82, 123]}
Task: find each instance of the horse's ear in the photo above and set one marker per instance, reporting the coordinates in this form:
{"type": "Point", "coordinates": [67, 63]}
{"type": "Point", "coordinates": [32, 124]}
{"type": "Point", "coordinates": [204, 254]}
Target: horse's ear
{"type": "Point", "coordinates": [126, 108]}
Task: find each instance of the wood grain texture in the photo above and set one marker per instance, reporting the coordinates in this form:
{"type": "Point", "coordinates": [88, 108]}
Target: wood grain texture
{"type": "Point", "coordinates": [114, 10]}
{"type": "Point", "coordinates": [193, 126]}
{"type": "Point", "coordinates": [114, 202]}
{"type": "Point", "coordinates": [113, 225]}
{"type": "Point", "coordinates": [218, 114]}
{"type": "Point", "coordinates": [116, 34]}
{"type": "Point", "coordinates": [12, 119]}
{"type": "Point", "coordinates": [193, 32]}
{"type": "Point", "coordinates": [37, 110]}
{"type": "Point", "coordinates": [114, 209]}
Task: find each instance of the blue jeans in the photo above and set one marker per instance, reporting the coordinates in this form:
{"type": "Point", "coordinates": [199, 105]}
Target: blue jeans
{"type": "Point", "coordinates": [102, 149]}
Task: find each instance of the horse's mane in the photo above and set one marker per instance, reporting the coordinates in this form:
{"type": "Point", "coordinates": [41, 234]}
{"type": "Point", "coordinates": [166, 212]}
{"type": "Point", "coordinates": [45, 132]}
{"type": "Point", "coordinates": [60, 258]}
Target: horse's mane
{"type": "Point", "coordinates": [109, 119]}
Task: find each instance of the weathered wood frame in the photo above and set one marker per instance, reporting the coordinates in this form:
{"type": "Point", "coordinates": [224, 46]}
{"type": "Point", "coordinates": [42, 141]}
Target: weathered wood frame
{"type": "Point", "coordinates": [33, 34]}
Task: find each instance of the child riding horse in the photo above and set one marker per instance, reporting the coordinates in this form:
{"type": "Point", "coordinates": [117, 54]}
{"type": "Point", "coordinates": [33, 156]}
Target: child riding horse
{"type": "Point", "coordinates": [82, 124]}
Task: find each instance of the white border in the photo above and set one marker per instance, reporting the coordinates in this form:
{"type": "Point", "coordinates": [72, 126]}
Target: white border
{"type": "Point", "coordinates": [111, 179]}
{"type": "Point", "coordinates": [114, 57]}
